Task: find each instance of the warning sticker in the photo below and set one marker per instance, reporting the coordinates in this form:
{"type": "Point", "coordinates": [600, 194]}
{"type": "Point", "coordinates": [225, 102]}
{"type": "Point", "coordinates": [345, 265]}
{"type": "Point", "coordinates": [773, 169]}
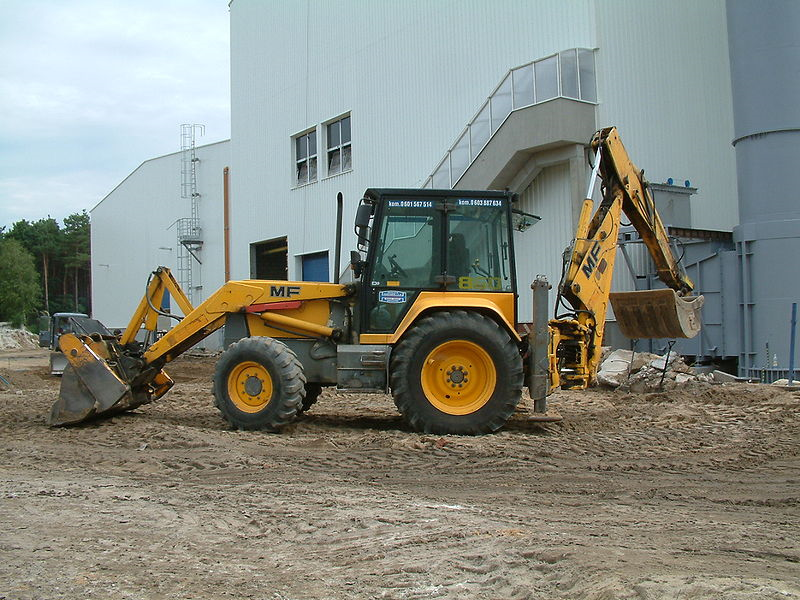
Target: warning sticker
{"type": "Point", "coordinates": [392, 297]}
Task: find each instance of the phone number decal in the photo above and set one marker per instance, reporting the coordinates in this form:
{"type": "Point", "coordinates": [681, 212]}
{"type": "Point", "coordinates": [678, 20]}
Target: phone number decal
{"type": "Point", "coordinates": [411, 203]}
{"type": "Point", "coordinates": [479, 202]}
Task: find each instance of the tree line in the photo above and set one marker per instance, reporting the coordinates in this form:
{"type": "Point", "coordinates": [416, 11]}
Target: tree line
{"type": "Point", "coordinates": [45, 268]}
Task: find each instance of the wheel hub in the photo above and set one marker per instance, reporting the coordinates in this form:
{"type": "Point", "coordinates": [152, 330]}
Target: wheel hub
{"type": "Point", "coordinates": [253, 385]}
{"type": "Point", "coordinates": [458, 377]}
{"type": "Point", "coordinates": [250, 386]}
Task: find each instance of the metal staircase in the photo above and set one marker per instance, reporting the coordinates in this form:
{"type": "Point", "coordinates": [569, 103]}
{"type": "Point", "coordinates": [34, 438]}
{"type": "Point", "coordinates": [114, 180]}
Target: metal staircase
{"type": "Point", "coordinates": [566, 74]}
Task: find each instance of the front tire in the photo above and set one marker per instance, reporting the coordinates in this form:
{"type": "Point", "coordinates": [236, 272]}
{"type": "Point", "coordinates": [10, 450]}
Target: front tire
{"type": "Point", "coordinates": [259, 384]}
{"type": "Point", "coordinates": [456, 373]}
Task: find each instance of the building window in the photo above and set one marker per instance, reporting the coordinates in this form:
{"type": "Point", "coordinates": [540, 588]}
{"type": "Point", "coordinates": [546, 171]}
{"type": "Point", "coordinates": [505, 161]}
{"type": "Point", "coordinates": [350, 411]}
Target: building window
{"type": "Point", "coordinates": [306, 158]}
{"type": "Point", "coordinates": [339, 151]}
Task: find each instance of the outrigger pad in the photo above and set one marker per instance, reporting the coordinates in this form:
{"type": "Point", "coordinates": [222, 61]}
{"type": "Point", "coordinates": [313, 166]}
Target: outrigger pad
{"type": "Point", "coordinates": [657, 314]}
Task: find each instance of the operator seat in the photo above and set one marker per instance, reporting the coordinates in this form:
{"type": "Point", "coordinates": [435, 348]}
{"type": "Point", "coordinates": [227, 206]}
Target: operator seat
{"type": "Point", "coordinates": [457, 256]}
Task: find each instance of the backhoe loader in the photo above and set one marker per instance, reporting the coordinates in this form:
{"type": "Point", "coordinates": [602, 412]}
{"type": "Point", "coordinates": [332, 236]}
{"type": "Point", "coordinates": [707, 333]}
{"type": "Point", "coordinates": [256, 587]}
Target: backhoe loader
{"type": "Point", "coordinates": [431, 316]}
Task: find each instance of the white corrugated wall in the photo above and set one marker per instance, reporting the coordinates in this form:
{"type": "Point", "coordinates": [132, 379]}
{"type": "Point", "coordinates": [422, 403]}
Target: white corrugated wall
{"type": "Point", "coordinates": [664, 81]}
{"type": "Point", "coordinates": [133, 231]}
{"type": "Point", "coordinates": [539, 250]}
{"type": "Point", "coordinates": [412, 74]}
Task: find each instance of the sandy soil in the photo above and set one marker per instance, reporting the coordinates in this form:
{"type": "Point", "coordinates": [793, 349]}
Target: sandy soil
{"type": "Point", "coordinates": [687, 494]}
{"type": "Point", "coordinates": [18, 360]}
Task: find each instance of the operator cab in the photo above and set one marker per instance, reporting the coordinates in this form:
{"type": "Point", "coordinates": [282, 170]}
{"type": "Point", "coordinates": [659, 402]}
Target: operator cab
{"type": "Point", "coordinates": [431, 240]}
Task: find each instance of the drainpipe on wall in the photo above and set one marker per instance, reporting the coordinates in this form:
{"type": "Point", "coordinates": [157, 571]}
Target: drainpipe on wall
{"type": "Point", "coordinates": [226, 220]}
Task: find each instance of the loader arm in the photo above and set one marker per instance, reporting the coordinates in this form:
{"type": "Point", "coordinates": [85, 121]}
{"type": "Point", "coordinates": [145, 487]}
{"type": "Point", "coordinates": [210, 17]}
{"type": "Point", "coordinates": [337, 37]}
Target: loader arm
{"type": "Point", "coordinates": [107, 376]}
{"type": "Point", "coordinates": [585, 287]}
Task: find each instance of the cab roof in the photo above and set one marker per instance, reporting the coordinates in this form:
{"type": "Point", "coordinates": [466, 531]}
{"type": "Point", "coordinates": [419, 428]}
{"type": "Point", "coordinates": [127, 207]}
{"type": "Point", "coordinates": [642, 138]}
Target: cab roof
{"type": "Point", "coordinates": [377, 194]}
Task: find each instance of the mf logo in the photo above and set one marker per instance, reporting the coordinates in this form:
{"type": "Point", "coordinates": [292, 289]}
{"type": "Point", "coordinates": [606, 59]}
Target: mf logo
{"type": "Point", "coordinates": [284, 291]}
{"type": "Point", "coordinates": [591, 261]}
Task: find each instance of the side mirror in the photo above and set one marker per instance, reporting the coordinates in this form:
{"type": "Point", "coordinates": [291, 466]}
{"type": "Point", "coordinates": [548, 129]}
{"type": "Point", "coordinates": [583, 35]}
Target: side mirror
{"type": "Point", "coordinates": [356, 264]}
{"type": "Point", "coordinates": [363, 216]}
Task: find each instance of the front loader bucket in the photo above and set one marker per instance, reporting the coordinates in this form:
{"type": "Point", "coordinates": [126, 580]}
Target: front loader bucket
{"type": "Point", "coordinates": [657, 314]}
{"type": "Point", "coordinates": [86, 392]}
{"type": "Point", "coordinates": [90, 387]}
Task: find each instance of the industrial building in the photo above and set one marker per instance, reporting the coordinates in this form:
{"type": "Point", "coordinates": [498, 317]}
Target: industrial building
{"type": "Point", "coordinates": [341, 96]}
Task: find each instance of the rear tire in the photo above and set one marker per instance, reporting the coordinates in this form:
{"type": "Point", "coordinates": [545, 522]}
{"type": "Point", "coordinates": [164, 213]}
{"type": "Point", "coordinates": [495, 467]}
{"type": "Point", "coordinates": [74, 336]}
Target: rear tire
{"type": "Point", "coordinates": [259, 384]}
{"type": "Point", "coordinates": [456, 373]}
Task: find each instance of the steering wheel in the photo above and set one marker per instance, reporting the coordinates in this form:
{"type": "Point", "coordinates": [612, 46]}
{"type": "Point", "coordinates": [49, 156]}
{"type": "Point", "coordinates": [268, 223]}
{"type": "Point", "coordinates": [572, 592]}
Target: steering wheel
{"type": "Point", "coordinates": [396, 269]}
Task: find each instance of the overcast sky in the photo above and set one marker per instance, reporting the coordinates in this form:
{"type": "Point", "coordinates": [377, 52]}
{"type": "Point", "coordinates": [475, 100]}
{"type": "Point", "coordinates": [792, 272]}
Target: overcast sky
{"type": "Point", "coordinates": [91, 88]}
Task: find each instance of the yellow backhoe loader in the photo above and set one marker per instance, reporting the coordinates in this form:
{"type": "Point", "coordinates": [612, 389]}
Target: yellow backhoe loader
{"type": "Point", "coordinates": [431, 316]}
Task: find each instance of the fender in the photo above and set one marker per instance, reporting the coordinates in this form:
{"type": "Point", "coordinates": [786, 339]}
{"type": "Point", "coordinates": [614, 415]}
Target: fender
{"type": "Point", "coordinates": [499, 304]}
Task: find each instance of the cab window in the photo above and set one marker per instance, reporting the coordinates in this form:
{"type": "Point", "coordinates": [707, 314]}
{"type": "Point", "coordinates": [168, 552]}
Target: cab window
{"type": "Point", "coordinates": [478, 255]}
{"type": "Point", "coordinates": [408, 258]}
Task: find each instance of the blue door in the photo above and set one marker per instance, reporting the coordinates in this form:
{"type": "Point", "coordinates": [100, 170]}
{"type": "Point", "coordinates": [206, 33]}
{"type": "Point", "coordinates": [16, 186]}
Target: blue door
{"type": "Point", "coordinates": [315, 267]}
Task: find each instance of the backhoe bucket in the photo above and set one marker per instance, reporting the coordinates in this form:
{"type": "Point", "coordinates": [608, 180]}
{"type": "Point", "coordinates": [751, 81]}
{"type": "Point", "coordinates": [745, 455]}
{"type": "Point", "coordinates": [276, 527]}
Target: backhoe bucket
{"type": "Point", "coordinates": [657, 314]}
{"type": "Point", "coordinates": [90, 387]}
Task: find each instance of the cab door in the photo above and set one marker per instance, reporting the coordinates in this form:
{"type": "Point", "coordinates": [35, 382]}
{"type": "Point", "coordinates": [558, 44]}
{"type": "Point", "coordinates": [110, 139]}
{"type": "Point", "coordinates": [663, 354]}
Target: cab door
{"type": "Point", "coordinates": [406, 258]}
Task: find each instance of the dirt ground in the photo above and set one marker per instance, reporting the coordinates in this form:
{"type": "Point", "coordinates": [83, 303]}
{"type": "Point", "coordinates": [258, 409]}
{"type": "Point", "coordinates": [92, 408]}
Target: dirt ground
{"type": "Point", "coordinates": [688, 494]}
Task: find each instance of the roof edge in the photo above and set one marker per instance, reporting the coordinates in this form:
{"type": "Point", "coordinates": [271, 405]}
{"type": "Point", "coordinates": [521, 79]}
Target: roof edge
{"type": "Point", "coordinates": [143, 163]}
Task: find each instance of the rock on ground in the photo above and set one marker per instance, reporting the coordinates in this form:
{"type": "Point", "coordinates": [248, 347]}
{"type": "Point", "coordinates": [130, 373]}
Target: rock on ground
{"type": "Point", "coordinates": [643, 371]}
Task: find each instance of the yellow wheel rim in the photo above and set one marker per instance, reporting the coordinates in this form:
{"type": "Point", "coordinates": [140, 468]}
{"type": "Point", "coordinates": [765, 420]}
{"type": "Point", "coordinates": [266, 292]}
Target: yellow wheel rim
{"type": "Point", "coordinates": [458, 377]}
{"type": "Point", "coordinates": [249, 386]}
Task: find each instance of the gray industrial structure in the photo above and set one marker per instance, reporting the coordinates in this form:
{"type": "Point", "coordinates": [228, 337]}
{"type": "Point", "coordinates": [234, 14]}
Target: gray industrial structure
{"type": "Point", "coordinates": [749, 277]}
{"type": "Point", "coordinates": [764, 40]}
{"type": "Point", "coordinates": [429, 99]}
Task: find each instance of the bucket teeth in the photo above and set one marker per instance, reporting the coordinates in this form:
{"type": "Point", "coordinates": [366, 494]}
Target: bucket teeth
{"type": "Point", "coordinates": [657, 314]}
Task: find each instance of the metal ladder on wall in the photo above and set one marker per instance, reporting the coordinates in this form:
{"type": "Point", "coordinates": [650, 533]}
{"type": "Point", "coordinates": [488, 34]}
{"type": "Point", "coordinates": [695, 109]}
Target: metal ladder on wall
{"type": "Point", "coordinates": [189, 232]}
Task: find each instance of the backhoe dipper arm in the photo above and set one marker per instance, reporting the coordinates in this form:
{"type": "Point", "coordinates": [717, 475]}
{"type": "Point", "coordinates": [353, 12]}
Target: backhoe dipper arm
{"type": "Point", "coordinates": [586, 284]}
{"type": "Point", "coordinates": [627, 182]}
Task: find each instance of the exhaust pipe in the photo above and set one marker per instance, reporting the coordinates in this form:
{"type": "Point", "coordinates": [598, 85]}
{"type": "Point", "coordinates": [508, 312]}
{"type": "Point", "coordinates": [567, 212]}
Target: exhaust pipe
{"type": "Point", "coordinates": [338, 252]}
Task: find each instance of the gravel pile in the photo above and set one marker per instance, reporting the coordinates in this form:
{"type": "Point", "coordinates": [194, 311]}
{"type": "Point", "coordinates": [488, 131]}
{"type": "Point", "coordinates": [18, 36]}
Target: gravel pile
{"type": "Point", "coordinates": [16, 339]}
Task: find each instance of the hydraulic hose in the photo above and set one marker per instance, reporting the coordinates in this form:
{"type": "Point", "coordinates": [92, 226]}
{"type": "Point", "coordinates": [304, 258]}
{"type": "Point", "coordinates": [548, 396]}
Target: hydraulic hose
{"type": "Point", "coordinates": [150, 302]}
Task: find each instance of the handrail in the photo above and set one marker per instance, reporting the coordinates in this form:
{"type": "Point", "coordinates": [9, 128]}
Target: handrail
{"type": "Point", "coordinates": [566, 74]}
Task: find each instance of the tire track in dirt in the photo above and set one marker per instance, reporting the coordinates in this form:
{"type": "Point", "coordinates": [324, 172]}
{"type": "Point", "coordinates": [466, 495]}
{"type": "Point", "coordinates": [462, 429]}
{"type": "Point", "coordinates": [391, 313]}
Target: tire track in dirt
{"type": "Point", "coordinates": [689, 493]}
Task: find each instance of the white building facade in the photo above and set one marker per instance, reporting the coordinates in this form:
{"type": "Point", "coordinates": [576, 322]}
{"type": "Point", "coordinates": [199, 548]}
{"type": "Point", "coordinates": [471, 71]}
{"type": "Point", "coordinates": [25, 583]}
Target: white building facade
{"type": "Point", "coordinates": [410, 76]}
{"type": "Point", "coordinates": [340, 96]}
{"type": "Point", "coordinates": [135, 230]}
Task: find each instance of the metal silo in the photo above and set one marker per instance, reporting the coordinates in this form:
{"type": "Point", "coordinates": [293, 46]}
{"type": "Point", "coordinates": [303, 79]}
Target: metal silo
{"type": "Point", "coordinates": [764, 46]}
